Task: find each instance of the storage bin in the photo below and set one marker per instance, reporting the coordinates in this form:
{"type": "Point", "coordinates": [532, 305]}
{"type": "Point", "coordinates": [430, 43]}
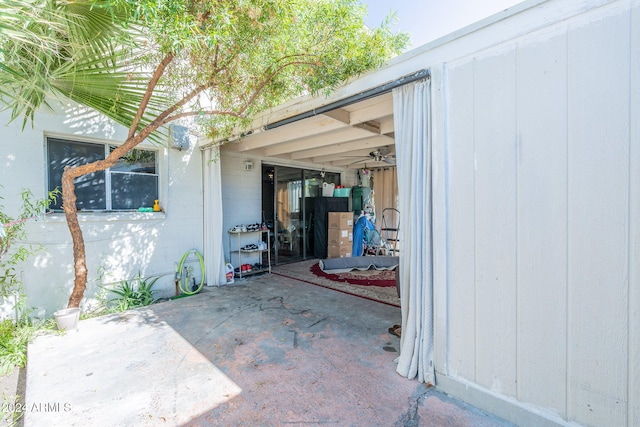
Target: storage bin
{"type": "Point", "coordinates": [341, 192]}
{"type": "Point", "coordinates": [327, 189]}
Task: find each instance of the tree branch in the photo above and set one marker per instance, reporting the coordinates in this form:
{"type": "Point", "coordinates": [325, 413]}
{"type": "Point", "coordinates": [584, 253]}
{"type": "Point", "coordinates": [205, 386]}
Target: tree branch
{"type": "Point", "coordinates": [207, 113]}
{"type": "Point", "coordinates": [269, 77]}
{"type": "Point", "coordinates": [157, 74]}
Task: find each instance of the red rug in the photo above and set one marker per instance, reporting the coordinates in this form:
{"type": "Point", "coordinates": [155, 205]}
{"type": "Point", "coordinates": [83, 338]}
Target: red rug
{"type": "Point", "coordinates": [383, 278]}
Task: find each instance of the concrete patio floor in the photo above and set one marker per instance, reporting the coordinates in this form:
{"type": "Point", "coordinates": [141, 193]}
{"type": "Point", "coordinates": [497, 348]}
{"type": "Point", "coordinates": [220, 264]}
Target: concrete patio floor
{"type": "Point", "coordinates": [265, 351]}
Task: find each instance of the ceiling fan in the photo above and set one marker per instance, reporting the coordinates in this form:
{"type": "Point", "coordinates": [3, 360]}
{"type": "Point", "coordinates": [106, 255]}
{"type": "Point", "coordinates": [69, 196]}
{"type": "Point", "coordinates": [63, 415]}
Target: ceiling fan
{"type": "Point", "coordinates": [382, 154]}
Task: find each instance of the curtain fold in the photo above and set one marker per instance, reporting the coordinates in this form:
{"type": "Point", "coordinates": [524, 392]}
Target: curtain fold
{"type": "Point", "coordinates": [213, 232]}
{"type": "Point", "coordinates": [412, 127]}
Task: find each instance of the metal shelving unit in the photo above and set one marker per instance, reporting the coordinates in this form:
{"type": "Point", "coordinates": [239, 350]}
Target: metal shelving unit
{"type": "Point", "coordinates": [235, 250]}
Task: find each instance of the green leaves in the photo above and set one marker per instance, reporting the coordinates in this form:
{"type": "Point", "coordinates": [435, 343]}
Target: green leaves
{"type": "Point", "coordinates": [232, 58]}
{"type": "Point", "coordinates": [13, 232]}
{"type": "Point", "coordinates": [13, 345]}
{"type": "Point", "coordinates": [73, 50]}
{"type": "Point", "coordinates": [135, 293]}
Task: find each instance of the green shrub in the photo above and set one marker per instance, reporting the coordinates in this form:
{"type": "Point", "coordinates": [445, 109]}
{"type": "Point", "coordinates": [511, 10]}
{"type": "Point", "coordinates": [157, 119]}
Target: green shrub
{"type": "Point", "coordinates": [135, 293]}
{"type": "Point", "coordinates": [14, 339]}
{"type": "Point", "coordinates": [12, 231]}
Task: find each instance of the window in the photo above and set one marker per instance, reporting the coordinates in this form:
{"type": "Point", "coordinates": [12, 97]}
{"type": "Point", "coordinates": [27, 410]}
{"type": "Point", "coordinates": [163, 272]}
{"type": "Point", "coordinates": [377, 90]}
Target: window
{"type": "Point", "coordinates": [132, 183]}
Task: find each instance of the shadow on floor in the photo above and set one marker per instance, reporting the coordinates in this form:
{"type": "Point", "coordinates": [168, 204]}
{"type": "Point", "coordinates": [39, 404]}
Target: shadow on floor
{"type": "Point", "coordinates": [267, 350]}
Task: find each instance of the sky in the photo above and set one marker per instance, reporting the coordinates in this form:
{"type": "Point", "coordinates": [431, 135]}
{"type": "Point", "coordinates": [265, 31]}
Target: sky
{"type": "Point", "coordinates": [427, 20]}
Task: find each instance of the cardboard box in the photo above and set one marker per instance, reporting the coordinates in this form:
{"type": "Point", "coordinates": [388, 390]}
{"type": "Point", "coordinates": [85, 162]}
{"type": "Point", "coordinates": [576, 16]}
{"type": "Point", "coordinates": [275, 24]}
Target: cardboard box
{"type": "Point", "coordinates": [338, 251]}
{"type": "Point", "coordinates": [341, 220]}
{"type": "Point", "coordinates": [335, 236]}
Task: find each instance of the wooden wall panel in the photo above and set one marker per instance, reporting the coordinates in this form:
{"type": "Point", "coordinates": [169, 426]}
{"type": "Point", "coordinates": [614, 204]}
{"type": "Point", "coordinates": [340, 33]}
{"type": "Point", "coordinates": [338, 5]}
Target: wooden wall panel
{"type": "Point", "coordinates": [542, 223]}
{"type": "Point", "coordinates": [633, 363]}
{"type": "Point", "coordinates": [495, 218]}
{"type": "Point", "coordinates": [461, 210]}
{"type": "Point", "coordinates": [598, 208]}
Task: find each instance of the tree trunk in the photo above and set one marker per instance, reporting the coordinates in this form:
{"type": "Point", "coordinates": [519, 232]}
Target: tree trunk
{"type": "Point", "coordinates": [79, 255]}
{"type": "Point", "coordinates": [70, 174]}
{"type": "Point", "coordinates": [71, 211]}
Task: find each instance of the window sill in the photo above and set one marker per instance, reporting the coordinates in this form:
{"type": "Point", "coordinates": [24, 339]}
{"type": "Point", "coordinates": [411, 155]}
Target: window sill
{"type": "Point", "coordinates": [108, 216]}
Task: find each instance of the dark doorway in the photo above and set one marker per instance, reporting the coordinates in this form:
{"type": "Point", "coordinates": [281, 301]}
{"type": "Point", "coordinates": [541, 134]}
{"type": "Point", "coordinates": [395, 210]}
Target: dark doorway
{"type": "Point", "coordinates": [286, 194]}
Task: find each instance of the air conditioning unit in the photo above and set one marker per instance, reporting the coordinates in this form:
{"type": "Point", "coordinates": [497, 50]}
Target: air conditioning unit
{"type": "Point", "coordinates": [179, 137]}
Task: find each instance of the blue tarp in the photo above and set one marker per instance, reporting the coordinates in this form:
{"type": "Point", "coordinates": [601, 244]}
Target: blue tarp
{"type": "Point", "coordinates": [362, 224]}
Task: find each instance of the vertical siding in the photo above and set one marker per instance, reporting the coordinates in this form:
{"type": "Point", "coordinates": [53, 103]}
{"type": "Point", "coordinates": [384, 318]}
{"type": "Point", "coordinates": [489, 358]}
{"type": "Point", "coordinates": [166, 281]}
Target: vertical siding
{"type": "Point", "coordinates": [543, 178]}
{"type": "Point", "coordinates": [542, 222]}
{"type": "Point", "coordinates": [460, 177]}
{"type": "Point", "coordinates": [598, 221]}
{"type": "Point", "coordinates": [634, 235]}
{"type": "Point", "coordinates": [495, 214]}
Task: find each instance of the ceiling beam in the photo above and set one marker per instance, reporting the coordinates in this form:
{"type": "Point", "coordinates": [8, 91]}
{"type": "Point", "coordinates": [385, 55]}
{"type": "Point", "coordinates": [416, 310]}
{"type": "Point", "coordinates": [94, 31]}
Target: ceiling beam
{"type": "Point", "coordinates": [341, 115]}
{"type": "Point", "coordinates": [365, 143]}
{"type": "Point", "coordinates": [372, 112]}
{"type": "Point", "coordinates": [319, 140]}
{"type": "Point", "coordinates": [386, 125]}
{"type": "Point", "coordinates": [303, 128]}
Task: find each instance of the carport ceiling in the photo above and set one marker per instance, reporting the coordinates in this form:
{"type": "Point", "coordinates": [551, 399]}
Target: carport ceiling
{"type": "Point", "coordinates": [343, 138]}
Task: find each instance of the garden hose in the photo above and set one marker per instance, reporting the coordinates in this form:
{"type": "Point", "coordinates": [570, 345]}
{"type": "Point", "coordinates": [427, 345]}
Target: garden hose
{"type": "Point", "coordinates": [185, 288]}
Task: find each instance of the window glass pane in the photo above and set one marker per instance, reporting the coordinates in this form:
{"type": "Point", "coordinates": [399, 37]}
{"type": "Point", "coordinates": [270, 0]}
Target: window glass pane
{"type": "Point", "coordinates": [332, 178]}
{"type": "Point", "coordinates": [90, 188]}
{"type": "Point", "coordinates": [139, 161]}
{"type": "Point", "coordinates": [132, 190]}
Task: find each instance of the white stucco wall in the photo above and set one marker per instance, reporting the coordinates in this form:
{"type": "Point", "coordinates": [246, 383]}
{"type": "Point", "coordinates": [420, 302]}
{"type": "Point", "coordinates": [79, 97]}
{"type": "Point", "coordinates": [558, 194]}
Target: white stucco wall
{"type": "Point", "coordinates": [120, 244]}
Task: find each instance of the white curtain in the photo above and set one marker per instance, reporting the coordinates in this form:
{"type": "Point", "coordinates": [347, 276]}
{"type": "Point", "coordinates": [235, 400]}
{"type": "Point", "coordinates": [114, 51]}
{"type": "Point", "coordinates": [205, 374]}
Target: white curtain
{"type": "Point", "coordinates": [412, 127]}
{"type": "Point", "coordinates": [213, 233]}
